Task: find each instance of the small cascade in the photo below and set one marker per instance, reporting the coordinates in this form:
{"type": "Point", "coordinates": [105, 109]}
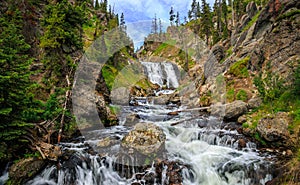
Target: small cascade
{"type": "Point", "coordinates": [4, 175]}
{"type": "Point", "coordinates": [162, 73]}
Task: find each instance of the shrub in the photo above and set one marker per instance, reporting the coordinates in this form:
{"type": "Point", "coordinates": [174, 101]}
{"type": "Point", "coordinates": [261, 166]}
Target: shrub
{"type": "Point", "coordinates": [239, 69]}
{"type": "Point", "coordinates": [242, 95]}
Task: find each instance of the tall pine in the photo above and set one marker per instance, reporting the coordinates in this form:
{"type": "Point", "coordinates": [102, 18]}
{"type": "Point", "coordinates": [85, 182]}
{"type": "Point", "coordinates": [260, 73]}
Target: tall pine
{"type": "Point", "coordinates": [14, 83]}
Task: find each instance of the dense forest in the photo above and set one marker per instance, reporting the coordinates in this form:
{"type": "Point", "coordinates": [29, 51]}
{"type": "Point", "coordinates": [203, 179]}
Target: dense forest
{"type": "Point", "coordinates": [256, 52]}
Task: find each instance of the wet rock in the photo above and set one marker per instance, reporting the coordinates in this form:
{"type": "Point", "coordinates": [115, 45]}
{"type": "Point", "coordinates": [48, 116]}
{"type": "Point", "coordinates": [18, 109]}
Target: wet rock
{"type": "Point", "coordinates": [107, 117]}
{"type": "Point", "coordinates": [254, 102]}
{"type": "Point", "coordinates": [242, 143]}
{"type": "Point", "coordinates": [175, 99]}
{"type": "Point", "coordinates": [175, 113]}
{"type": "Point", "coordinates": [242, 119]}
{"type": "Point", "coordinates": [161, 100]}
{"type": "Point", "coordinates": [106, 142]}
{"type": "Point", "coordinates": [275, 129]}
{"type": "Point", "coordinates": [25, 169]}
{"type": "Point", "coordinates": [146, 138]}
{"type": "Point", "coordinates": [132, 119]}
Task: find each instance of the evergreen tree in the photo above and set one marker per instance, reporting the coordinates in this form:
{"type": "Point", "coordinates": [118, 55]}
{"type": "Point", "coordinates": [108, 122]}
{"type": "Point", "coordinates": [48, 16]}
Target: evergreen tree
{"type": "Point", "coordinates": [224, 15]}
{"type": "Point", "coordinates": [160, 27]}
{"type": "Point", "coordinates": [206, 25]}
{"type": "Point", "coordinates": [97, 5]}
{"type": "Point", "coordinates": [14, 82]}
{"type": "Point", "coordinates": [172, 16]}
{"type": "Point", "coordinates": [104, 6]}
{"type": "Point", "coordinates": [177, 20]}
{"type": "Point", "coordinates": [62, 25]}
{"type": "Point", "coordinates": [122, 23]}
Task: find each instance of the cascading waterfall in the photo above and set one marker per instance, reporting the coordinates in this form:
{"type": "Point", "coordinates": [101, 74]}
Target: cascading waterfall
{"type": "Point", "coordinates": [162, 73]}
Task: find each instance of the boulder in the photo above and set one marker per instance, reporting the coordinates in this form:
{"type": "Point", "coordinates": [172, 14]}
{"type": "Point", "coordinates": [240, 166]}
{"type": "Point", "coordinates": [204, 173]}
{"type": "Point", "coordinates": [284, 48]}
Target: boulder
{"type": "Point", "coordinates": [235, 109]}
{"type": "Point", "coordinates": [145, 138]}
{"type": "Point", "coordinates": [23, 170]}
{"type": "Point", "coordinates": [120, 96]}
{"type": "Point", "coordinates": [230, 111]}
{"type": "Point", "coordinates": [242, 119]}
{"type": "Point", "coordinates": [275, 128]}
{"type": "Point", "coordinates": [254, 102]}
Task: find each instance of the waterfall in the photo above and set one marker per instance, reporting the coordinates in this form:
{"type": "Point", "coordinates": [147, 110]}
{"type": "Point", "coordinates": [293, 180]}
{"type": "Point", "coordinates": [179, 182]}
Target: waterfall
{"type": "Point", "coordinates": [162, 73]}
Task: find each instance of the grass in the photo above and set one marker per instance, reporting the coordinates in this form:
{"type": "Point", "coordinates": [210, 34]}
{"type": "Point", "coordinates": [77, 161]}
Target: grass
{"type": "Point", "coordinates": [242, 95]}
{"type": "Point", "coordinates": [230, 95]}
{"type": "Point", "coordinates": [288, 14]}
{"type": "Point", "coordinates": [239, 68]}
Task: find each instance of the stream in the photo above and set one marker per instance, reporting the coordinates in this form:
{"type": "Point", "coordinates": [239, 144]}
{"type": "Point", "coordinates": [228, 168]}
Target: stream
{"type": "Point", "coordinates": [207, 150]}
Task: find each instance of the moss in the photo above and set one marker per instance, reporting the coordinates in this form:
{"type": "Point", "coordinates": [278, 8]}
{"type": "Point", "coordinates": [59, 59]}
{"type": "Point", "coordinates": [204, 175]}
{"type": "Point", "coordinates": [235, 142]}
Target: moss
{"type": "Point", "coordinates": [253, 20]}
{"type": "Point", "coordinates": [239, 68]}
{"type": "Point", "coordinates": [242, 95]}
{"type": "Point", "coordinates": [230, 95]}
{"type": "Point", "coordinates": [245, 125]}
{"type": "Point", "coordinates": [258, 138]}
{"type": "Point", "coordinates": [288, 14]}
{"type": "Point", "coordinates": [115, 109]}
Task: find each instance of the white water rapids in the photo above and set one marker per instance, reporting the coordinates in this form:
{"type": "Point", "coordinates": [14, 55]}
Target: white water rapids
{"type": "Point", "coordinates": [212, 153]}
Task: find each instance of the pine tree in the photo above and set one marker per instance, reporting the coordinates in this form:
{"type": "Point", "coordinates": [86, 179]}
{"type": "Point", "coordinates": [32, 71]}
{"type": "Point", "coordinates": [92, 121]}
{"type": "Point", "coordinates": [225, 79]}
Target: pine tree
{"type": "Point", "coordinates": [177, 20]}
{"type": "Point", "coordinates": [172, 16]}
{"type": "Point", "coordinates": [224, 15]}
{"type": "Point", "coordinates": [206, 21]}
{"type": "Point", "coordinates": [122, 23]}
{"type": "Point", "coordinates": [14, 82]}
{"type": "Point", "coordinates": [97, 5]}
{"type": "Point", "coordinates": [62, 26]}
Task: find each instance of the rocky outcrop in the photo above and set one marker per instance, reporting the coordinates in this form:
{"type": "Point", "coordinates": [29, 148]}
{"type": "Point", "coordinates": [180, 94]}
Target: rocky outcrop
{"type": "Point", "coordinates": [212, 67]}
{"type": "Point", "coordinates": [145, 138]}
{"type": "Point", "coordinates": [275, 129]}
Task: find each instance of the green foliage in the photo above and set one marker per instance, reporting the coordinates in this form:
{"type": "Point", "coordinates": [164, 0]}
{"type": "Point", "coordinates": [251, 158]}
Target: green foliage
{"type": "Point", "coordinates": [271, 87]}
{"type": "Point", "coordinates": [258, 138]}
{"type": "Point", "coordinates": [230, 95]}
{"type": "Point", "coordinates": [115, 109]}
{"type": "Point", "coordinates": [239, 68]}
{"type": "Point", "coordinates": [245, 125]}
{"type": "Point", "coordinates": [242, 95]}
{"type": "Point", "coordinates": [288, 14]}
{"type": "Point", "coordinates": [62, 24]}
{"type": "Point", "coordinates": [14, 82]}
{"type": "Point", "coordinates": [253, 20]}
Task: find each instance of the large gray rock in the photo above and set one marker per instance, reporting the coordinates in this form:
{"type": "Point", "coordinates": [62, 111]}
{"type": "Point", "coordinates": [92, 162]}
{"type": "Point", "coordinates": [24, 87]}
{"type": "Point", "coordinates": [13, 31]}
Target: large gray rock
{"type": "Point", "coordinates": [120, 96]}
{"type": "Point", "coordinates": [230, 111]}
{"type": "Point", "coordinates": [254, 102]}
{"type": "Point", "coordinates": [235, 109]}
{"type": "Point", "coordinates": [145, 138]}
{"type": "Point", "coordinates": [275, 128]}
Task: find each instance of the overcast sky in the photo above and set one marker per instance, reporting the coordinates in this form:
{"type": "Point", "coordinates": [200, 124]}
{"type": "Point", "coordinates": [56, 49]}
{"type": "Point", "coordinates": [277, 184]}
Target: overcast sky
{"type": "Point", "coordinates": [137, 10]}
{"type": "Point", "coordinates": [139, 13]}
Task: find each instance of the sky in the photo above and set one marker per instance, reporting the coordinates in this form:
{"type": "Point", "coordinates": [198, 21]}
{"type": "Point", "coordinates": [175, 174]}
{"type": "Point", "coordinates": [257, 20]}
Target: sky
{"type": "Point", "coordinates": [139, 13]}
